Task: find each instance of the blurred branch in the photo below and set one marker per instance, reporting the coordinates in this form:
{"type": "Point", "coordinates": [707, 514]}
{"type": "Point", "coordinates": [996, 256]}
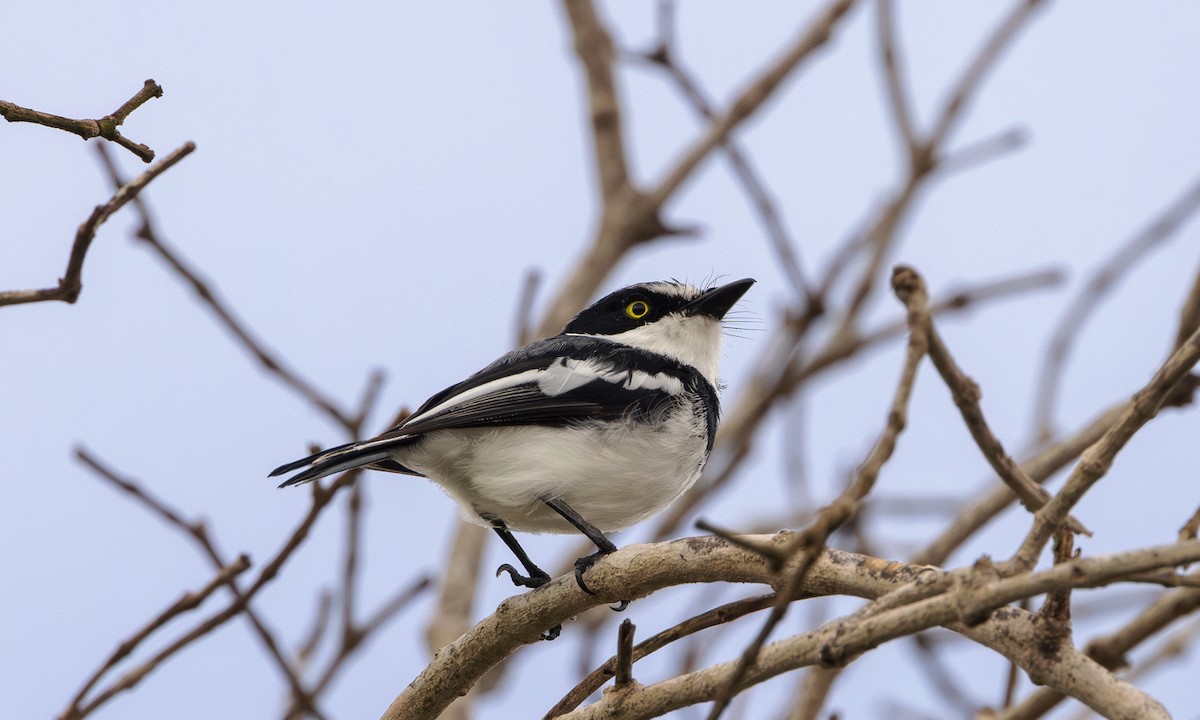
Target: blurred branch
{"type": "Point", "coordinates": [226, 317]}
{"type": "Point", "coordinates": [1162, 228]}
{"type": "Point", "coordinates": [805, 546]}
{"type": "Point", "coordinates": [665, 55]}
{"type": "Point", "coordinates": [189, 601]}
{"type": "Point", "coordinates": [899, 102]}
{"type": "Point", "coordinates": [70, 285]}
{"type": "Point", "coordinates": [199, 534]}
{"type": "Point", "coordinates": [321, 497]}
{"type": "Point", "coordinates": [105, 127]}
{"type": "Point", "coordinates": [357, 632]}
{"type": "Point", "coordinates": [630, 216]}
{"type": "Point", "coordinates": [972, 78]}
{"type": "Point", "coordinates": [1040, 467]}
{"type": "Point", "coordinates": [596, 53]}
{"type": "Point", "coordinates": [1189, 314]}
{"type": "Point", "coordinates": [768, 384]}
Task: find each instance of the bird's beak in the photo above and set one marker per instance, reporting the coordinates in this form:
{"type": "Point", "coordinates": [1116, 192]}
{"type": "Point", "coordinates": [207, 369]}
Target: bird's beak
{"type": "Point", "coordinates": [716, 302]}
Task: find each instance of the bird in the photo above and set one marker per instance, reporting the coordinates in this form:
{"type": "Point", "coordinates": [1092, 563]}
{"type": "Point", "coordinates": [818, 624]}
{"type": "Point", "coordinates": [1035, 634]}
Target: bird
{"type": "Point", "coordinates": [591, 430]}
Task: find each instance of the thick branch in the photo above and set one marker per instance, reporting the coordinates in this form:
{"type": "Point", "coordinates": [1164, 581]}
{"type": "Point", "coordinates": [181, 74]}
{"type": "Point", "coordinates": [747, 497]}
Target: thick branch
{"type": "Point", "coordinates": [1016, 633]}
{"type": "Point", "coordinates": [638, 570]}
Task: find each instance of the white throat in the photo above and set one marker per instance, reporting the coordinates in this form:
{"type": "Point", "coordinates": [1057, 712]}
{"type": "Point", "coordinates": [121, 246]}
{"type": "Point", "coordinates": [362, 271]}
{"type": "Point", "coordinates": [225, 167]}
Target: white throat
{"type": "Point", "coordinates": [692, 340]}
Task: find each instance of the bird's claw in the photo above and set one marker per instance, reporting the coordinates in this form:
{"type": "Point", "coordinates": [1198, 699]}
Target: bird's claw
{"type": "Point", "coordinates": [535, 581]}
{"type": "Point", "coordinates": [581, 566]}
{"type": "Point", "coordinates": [529, 581]}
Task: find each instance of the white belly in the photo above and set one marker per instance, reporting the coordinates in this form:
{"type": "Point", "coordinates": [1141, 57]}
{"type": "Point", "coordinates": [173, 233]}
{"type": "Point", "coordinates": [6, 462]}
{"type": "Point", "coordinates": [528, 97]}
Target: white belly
{"type": "Point", "coordinates": [612, 478]}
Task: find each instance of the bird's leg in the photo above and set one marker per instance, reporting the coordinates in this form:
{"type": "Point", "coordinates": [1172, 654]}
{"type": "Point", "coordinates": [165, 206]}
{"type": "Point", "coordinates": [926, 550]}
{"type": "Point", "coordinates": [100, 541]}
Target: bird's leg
{"type": "Point", "coordinates": [604, 545]}
{"type": "Point", "coordinates": [537, 577]}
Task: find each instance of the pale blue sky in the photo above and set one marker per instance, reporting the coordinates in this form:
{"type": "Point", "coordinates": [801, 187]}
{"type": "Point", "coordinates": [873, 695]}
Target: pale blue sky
{"type": "Point", "coordinates": [370, 185]}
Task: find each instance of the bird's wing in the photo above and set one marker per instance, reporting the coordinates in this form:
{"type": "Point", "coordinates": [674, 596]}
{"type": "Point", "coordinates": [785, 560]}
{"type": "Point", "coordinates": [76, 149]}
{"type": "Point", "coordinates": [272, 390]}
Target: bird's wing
{"type": "Point", "coordinates": [555, 381]}
{"type": "Point", "coordinates": [550, 383]}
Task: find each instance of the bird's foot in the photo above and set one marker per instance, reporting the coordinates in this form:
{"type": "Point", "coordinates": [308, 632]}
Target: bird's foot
{"type": "Point", "coordinates": [533, 580]}
{"type": "Point", "coordinates": [581, 566]}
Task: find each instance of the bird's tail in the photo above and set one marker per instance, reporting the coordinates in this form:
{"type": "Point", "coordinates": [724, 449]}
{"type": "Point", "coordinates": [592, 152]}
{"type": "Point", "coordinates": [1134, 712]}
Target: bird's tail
{"type": "Point", "coordinates": [337, 459]}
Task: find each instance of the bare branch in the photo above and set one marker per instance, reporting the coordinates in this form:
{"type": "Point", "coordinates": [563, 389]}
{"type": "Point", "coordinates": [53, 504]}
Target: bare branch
{"type": "Point", "coordinates": [1013, 632]}
{"type": "Point", "coordinates": [1162, 228]}
{"type": "Point", "coordinates": [1097, 459]}
{"type": "Point", "coordinates": [972, 79]}
{"type": "Point", "coordinates": [629, 216]}
{"type": "Point", "coordinates": [1110, 650]}
{"type": "Point", "coordinates": [1039, 468]}
{"type": "Point", "coordinates": [321, 498]}
{"type": "Point", "coordinates": [966, 396]}
{"type": "Point", "coordinates": [226, 317]}
{"type": "Point", "coordinates": [717, 616]}
{"type": "Point", "coordinates": [596, 53]}
{"type": "Point", "coordinates": [898, 96]}
{"type": "Point", "coordinates": [665, 55]}
{"type": "Point", "coordinates": [189, 601]}
{"type": "Point", "coordinates": [70, 285]}
{"type": "Point", "coordinates": [806, 545]}
{"type": "Point", "coordinates": [623, 670]}
{"type": "Point", "coordinates": [779, 374]}
{"type": "Point", "coordinates": [105, 127]}
{"type": "Point", "coordinates": [811, 38]}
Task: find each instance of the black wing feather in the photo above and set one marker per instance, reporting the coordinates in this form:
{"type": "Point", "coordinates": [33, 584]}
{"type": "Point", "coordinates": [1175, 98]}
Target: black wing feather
{"type": "Point", "coordinates": [526, 403]}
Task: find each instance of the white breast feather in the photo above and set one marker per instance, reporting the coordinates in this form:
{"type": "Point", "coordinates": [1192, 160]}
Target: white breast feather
{"type": "Point", "coordinates": [613, 477]}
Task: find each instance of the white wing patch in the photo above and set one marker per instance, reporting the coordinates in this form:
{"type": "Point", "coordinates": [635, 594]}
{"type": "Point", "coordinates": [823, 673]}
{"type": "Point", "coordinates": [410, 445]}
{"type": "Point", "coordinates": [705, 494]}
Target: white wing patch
{"type": "Point", "coordinates": [563, 376]}
{"type": "Point", "coordinates": [567, 374]}
{"type": "Point", "coordinates": [479, 391]}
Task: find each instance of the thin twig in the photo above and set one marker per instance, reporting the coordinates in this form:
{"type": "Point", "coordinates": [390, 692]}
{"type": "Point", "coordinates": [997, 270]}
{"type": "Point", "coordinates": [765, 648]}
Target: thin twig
{"type": "Point", "coordinates": [972, 78]}
{"type": "Point", "coordinates": [524, 322]}
{"type": "Point", "coordinates": [105, 127]}
{"type": "Point", "coordinates": [71, 283]}
{"type": "Point", "coordinates": [189, 601]}
{"type": "Point", "coordinates": [966, 396]}
{"type": "Point", "coordinates": [665, 55]}
{"type": "Point", "coordinates": [1191, 527]}
{"type": "Point", "coordinates": [807, 545]}
{"type": "Point", "coordinates": [717, 616]}
{"type": "Point", "coordinates": [226, 317]}
{"type": "Point", "coordinates": [1137, 248]}
{"type": "Point", "coordinates": [1097, 459]}
{"type": "Point", "coordinates": [1040, 467]}
{"type": "Point", "coordinates": [386, 612]}
{"type": "Point", "coordinates": [1189, 314]}
{"type": "Point", "coordinates": [308, 646]}
{"type": "Point", "coordinates": [900, 103]}
{"type": "Point", "coordinates": [623, 670]}
{"type": "Point", "coordinates": [321, 498]}
{"type": "Point", "coordinates": [813, 36]}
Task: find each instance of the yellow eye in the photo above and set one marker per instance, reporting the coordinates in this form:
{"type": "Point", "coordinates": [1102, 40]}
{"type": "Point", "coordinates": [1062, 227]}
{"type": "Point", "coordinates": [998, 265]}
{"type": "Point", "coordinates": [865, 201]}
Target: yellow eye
{"type": "Point", "coordinates": [637, 309]}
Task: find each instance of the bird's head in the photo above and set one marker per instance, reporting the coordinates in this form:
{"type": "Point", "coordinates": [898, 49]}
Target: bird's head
{"type": "Point", "coordinates": [674, 319]}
